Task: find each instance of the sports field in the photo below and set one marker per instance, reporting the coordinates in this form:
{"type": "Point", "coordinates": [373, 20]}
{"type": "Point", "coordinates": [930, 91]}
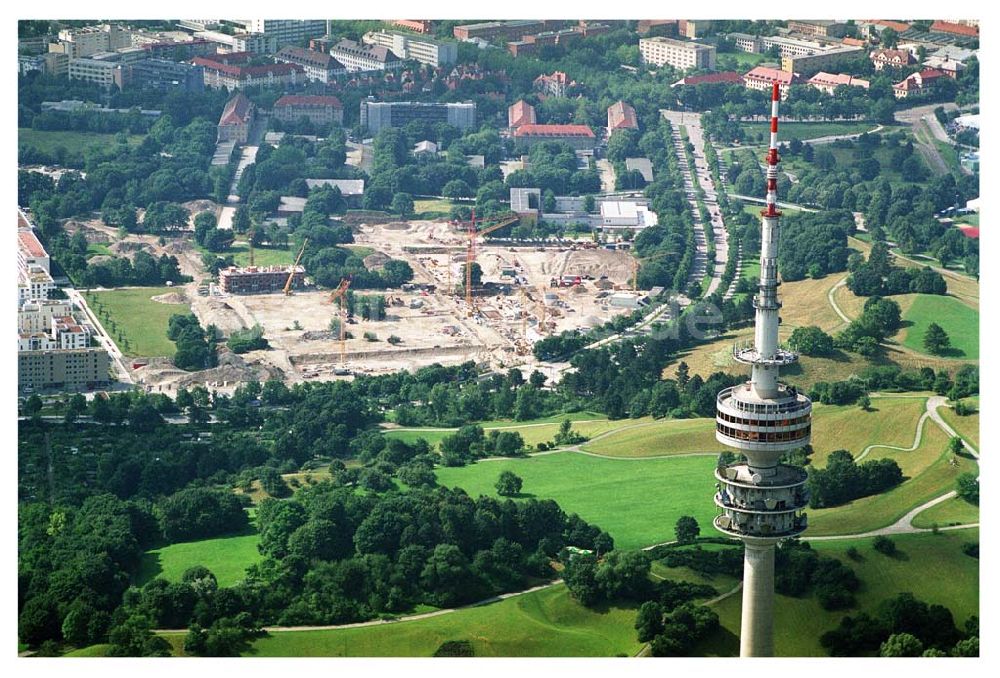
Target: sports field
{"type": "Point", "coordinates": [546, 623]}
{"type": "Point", "coordinates": [637, 501]}
{"type": "Point", "coordinates": [960, 322]}
{"type": "Point", "coordinates": [140, 320]}
{"type": "Point", "coordinates": [75, 143]}
{"type": "Point", "coordinates": [930, 566]}
{"type": "Point", "coordinates": [227, 558]}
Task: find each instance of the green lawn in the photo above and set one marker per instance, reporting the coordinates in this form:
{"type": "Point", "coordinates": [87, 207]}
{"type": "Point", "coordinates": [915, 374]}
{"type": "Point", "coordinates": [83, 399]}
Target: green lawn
{"type": "Point", "coordinates": [954, 511]}
{"type": "Point", "coordinates": [932, 567]}
{"type": "Point", "coordinates": [967, 426]}
{"type": "Point", "coordinates": [960, 322]}
{"type": "Point", "coordinates": [637, 501]}
{"type": "Point", "coordinates": [546, 623]}
{"type": "Point", "coordinates": [534, 431]}
{"type": "Point", "coordinates": [138, 319]}
{"type": "Point", "coordinates": [740, 61]}
{"type": "Point", "coordinates": [432, 209]}
{"type": "Point", "coordinates": [98, 248]}
{"type": "Point", "coordinates": [262, 256]}
{"type": "Point", "coordinates": [659, 438]}
{"type": "Point", "coordinates": [75, 143]}
{"type": "Point", "coordinates": [100, 650]}
{"type": "Point", "coordinates": [227, 558]}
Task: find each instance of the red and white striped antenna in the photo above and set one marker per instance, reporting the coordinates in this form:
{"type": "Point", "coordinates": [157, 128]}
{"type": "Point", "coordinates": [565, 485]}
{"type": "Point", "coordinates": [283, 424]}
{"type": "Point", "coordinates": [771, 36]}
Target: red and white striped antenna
{"type": "Point", "coordinates": [772, 157]}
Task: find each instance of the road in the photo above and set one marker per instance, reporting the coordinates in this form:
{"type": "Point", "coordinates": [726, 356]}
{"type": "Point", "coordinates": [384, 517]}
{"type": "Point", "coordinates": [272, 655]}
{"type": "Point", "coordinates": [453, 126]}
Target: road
{"type": "Point", "coordinates": [720, 235]}
{"type": "Point", "coordinates": [926, 127]}
{"type": "Point", "coordinates": [117, 359]}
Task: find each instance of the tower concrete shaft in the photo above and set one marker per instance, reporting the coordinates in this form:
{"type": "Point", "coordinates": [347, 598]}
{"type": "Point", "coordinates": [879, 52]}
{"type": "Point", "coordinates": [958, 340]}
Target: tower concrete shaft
{"type": "Point", "coordinates": [760, 500]}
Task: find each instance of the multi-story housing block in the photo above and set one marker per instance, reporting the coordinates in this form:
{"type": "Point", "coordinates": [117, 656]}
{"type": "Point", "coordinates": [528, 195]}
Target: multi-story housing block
{"type": "Point", "coordinates": [317, 65]}
{"type": "Point", "coordinates": [320, 110]}
{"type": "Point", "coordinates": [358, 57]}
{"type": "Point", "coordinates": [499, 30]}
{"type": "Point", "coordinates": [378, 115]}
{"type": "Point", "coordinates": [680, 54]}
{"type": "Point", "coordinates": [424, 50]}
{"type": "Point", "coordinates": [165, 75]}
{"type": "Point", "coordinates": [891, 58]}
{"type": "Point", "coordinates": [260, 279]}
{"type": "Point", "coordinates": [227, 71]}
{"type": "Point", "coordinates": [79, 43]}
{"type": "Point", "coordinates": [829, 58]}
{"type": "Point", "coordinates": [284, 31]}
{"type": "Point", "coordinates": [827, 29]}
{"type": "Point", "coordinates": [415, 25]}
{"type": "Point", "coordinates": [98, 71]}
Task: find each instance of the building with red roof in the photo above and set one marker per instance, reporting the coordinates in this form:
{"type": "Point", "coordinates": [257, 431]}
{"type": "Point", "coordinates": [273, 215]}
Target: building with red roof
{"type": "Point", "coordinates": [621, 116]}
{"type": "Point", "coordinates": [227, 71]}
{"type": "Point", "coordinates": [763, 78]}
{"type": "Point", "coordinates": [320, 110]}
{"type": "Point", "coordinates": [580, 137]}
{"type": "Point", "coordinates": [893, 58]}
{"type": "Point", "coordinates": [955, 29]}
{"type": "Point", "coordinates": [828, 82]}
{"type": "Point", "coordinates": [721, 78]}
{"type": "Point", "coordinates": [520, 113]}
{"type": "Point", "coordinates": [236, 120]}
{"type": "Point", "coordinates": [415, 25]}
{"type": "Point", "coordinates": [918, 84]}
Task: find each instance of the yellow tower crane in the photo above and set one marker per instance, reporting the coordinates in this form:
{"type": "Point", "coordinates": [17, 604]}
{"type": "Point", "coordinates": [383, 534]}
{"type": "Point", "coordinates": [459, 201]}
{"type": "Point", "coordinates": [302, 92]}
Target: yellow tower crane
{"type": "Point", "coordinates": [291, 273]}
{"type": "Point", "coordinates": [340, 294]}
{"type": "Point", "coordinates": [501, 220]}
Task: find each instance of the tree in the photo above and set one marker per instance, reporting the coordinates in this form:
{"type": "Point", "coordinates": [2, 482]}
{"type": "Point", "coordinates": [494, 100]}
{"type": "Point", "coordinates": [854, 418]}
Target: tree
{"type": "Point", "coordinates": [884, 545]}
{"type": "Point", "coordinates": [936, 339]}
{"type": "Point", "coordinates": [901, 645]}
{"type": "Point", "coordinates": [686, 529]}
{"type": "Point", "coordinates": [811, 341]}
{"type": "Point", "coordinates": [649, 621]}
{"type": "Point", "coordinates": [967, 487]}
{"type": "Point", "coordinates": [509, 484]}
{"type": "Point", "coordinates": [402, 204]}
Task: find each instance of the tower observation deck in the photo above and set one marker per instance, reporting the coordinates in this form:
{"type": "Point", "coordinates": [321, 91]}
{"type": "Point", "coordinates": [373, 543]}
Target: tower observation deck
{"type": "Point", "coordinates": [760, 500]}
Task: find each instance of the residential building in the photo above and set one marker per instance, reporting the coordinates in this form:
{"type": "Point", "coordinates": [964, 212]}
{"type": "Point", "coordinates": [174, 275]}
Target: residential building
{"type": "Point", "coordinates": [763, 78]}
{"type": "Point", "coordinates": [829, 29]}
{"type": "Point", "coordinates": [82, 42]}
{"type": "Point", "coordinates": [876, 26]}
{"type": "Point", "coordinates": [260, 279]}
{"type": "Point", "coordinates": [362, 58]}
{"type": "Point", "coordinates": [946, 65]}
{"type": "Point", "coordinates": [63, 332]}
{"type": "Point", "coordinates": [237, 119]}
{"type": "Point", "coordinates": [424, 50]}
{"type": "Point", "coordinates": [415, 25]}
{"type": "Point", "coordinates": [555, 85]}
{"type": "Point", "coordinates": [58, 368]}
{"type": "Point", "coordinates": [626, 214]}
{"type": "Point", "coordinates": [34, 46]}
{"type": "Point", "coordinates": [621, 116]}
{"type": "Point", "coordinates": [745, 42]}
{"type": "Point", "coordinates": [93, 70]}
{"type": "Point", "coordinates": [179, 51]}
{"type": "Point", "coordinates": [789, 46]}
{"type": "Point", "coordinates": [520, 113]}
{"type": "Point", "coordinates": [828, 82]}
{"type": "Point", "coordinates": [721, 78]}
{"type": "Point", "coordinates": [56, 64]}
{"type": "Point", "coordinates": [30, 62]}
{"type": "Point", "coordinates": [680, 54]}
{"type": "Point", "coordinates": [810, 63]}
{"type": "Point", "coordinates": [378, 115]}
{"type": "Point", "coordinates": [499, 30]}
{"type": "Point", "coordinates": [578, 136]}
{"type": "Point", "coordinates": [30, 251]}
{"type": "Point", "coordinates": [165, 75]}
{"type": "Point", "coordinates": [918, 84]}
{"type": "Point", "coordinates": [284, 31]}
{"type": "Point", "coordinates": [893, 58]}
{"type": "Point", "coordinates": [254, 43]}
{"type": "Point", "coordinates": [228, 71]}
{"type": "Point", "coordinates": [320, 110]}
{"type": "Point", "coordinates": [529, 44]}
{"type": "Point", "coordinates": [317, 65]}
{"type": "Point", "coordinates": [662, 26]}
{"type": "Point", "coordinates": [693, 28]}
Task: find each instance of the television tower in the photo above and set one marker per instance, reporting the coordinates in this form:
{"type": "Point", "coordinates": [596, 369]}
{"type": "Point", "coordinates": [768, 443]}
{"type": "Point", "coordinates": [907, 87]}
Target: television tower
{"type": "Point", "coordinates": [760, 500]}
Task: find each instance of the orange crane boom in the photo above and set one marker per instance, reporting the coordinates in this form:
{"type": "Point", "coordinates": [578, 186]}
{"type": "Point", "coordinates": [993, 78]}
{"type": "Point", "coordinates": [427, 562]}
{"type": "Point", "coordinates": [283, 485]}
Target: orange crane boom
{"type": "Point", "coordinates": [505, 219]}
{"type": "Point", "coordinates": [341, 294]}
{"type": "Point", "coordinates": [291, 273]}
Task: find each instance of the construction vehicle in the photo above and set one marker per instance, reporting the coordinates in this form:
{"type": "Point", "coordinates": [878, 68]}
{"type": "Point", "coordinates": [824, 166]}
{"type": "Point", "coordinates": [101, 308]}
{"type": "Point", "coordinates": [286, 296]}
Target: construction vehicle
{"type": "Point", "coordinates": [499, 221]}
{"type": "Point", "coordinates": [291, 273]}
{"type": "Point", "coordinates": [340, 294]}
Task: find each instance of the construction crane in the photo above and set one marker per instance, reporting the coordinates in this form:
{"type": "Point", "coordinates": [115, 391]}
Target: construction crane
{"type": "Point", "coordinates": [291, 273]}
{"type": "Point", "coordinates": [250, 239]}
{"type": "Point", "coordinates": [341, 294]}
{"type": "Point", "coordinates": [502, 220]}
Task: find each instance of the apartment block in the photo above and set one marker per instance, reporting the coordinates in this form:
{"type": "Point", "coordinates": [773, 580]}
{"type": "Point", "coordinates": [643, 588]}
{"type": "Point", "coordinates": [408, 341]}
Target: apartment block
{"type": "Point", "coordinates": [79, 43]}
{"type": "Point", "coordinates": [424, 50]}
{"type": "Point", "coordinates": [680, 54]}
{"type": "Point", "coordinates": [165, 75]}
{"type": "Point", "coordinates": [97, 71]}
{"type": "Point", "coordinates": [320, 110]}
{"type": "Point", "coordinates": [69, 369]}
{"type": "Point", "coordinates": [378, 115]}
{"type": "Point", "coordinates": [499, 30]}
{"type": "Point", "coordinates": [230, 72]}
{"type": "Point", "coordinates": [811, 63]}
{"type": "Point", "coordinates": [260, 279]}
{"type": "Point", "coordinates": [318, 66]}
{"type": "Point", "coordinates": [827, 29]}
{"type": "Point", "coordinates": [37, 316]}
{"type": "Point", "coordinates": [285, 31]}
{"type": "Point", "coordinates": [358, 57]}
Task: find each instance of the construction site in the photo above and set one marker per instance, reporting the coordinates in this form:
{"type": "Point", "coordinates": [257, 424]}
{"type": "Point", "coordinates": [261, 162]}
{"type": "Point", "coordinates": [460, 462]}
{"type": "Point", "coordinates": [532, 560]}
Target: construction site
{"type": "Point", "coordinates": [525, 293]}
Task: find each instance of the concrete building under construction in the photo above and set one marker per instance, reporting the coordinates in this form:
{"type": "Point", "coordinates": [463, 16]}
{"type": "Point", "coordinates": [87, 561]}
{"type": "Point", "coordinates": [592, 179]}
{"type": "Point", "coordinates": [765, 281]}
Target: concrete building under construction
{"type": "Point", "coordinates": [260, 279]}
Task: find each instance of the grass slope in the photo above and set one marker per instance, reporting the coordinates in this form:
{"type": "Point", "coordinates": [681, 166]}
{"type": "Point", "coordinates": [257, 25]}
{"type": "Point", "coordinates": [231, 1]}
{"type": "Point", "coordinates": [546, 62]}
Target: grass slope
{"type": "Point", "coordinates": [960, 322]}
{"type": "Point", "coordinates": [538, 430]}
{"type": "Point", "coordinates": [546, 623]}
{"type": "Point", "coordinates": [953, 511]}
{"type": "Point", "coordinates": [967, 426]}
{"type": "Point", "coordinates": [140, 319]}
{"type": "Point", "coordinates": [227, 558]}
{"type": "Point", "coordinates": [636, 501]}
{"type": "Point", "coordinates": [75, 143]}
{"type": "Point", "coordinates": [798, 622]}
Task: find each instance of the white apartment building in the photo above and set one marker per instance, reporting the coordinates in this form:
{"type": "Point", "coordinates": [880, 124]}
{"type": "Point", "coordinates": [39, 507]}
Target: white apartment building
{"type": "Point", "coordinates": [426, 51]}
{"type": "Point", "coordinates": [36, 316]}
{"type": "Point", "coordinates": [285, 31]}
{"type": "Point", "coordinates": [362, 58]}
{"type": "Point", "coordinates": [680, 54]}
{"type": "Point", "coordinates": [78, 43]}
{"type": "Point", "coordinates": [97, 71]}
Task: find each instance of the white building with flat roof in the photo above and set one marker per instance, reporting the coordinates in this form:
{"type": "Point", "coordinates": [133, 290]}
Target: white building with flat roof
{"type": "Point", "coordinates": [681, 54]}
{"type": "Point", "coordinates": [626, 214]}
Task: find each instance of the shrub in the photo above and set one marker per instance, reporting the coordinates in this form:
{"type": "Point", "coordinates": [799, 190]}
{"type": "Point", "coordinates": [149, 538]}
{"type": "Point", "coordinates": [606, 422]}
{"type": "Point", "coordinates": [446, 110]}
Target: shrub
{"type": "Point", "coordinates": [884, 545]}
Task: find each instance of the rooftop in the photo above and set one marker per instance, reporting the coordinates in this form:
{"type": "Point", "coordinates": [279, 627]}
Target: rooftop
{"type": "Point", "coordinates": [28, 242]}
{"type": "Point", "coordinates": [236, 111]}
{"type": "Point", "coordinates": [307, 100]}
{"type": "Point", "coordinates": [553, 131]}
